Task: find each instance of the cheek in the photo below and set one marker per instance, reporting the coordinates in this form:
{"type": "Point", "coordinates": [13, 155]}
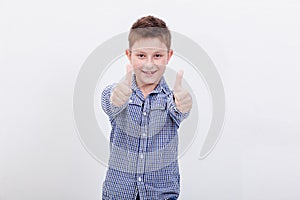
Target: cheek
{"type": "Point", "coordinates": [137, 68]}
{"type": "Point", "coordinates": [162, 68]}
{"type": "Point", "coordinates": [162, 62]}
{"type": "Point", "coordinates": [137, 63]}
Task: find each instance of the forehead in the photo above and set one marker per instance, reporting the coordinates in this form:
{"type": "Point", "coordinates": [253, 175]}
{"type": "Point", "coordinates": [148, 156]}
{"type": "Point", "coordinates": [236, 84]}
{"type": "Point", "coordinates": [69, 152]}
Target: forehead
{"type": "Point", "coordinates": [149, 44]}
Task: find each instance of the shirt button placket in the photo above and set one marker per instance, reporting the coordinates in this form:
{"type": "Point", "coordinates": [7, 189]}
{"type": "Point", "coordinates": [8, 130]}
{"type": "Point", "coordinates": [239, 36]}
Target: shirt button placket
{"type": "Point", "coordinates": [142, 148]}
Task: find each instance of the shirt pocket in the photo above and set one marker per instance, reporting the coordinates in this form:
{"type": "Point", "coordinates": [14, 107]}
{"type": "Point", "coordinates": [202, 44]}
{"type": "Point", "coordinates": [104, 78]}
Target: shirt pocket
{"type": "Point", "coordinates": [157, 117]}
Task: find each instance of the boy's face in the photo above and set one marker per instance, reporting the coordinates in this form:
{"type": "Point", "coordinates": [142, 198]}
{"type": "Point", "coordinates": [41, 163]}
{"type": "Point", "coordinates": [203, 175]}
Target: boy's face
{"type": "Point", "coordinates": [149, 57]}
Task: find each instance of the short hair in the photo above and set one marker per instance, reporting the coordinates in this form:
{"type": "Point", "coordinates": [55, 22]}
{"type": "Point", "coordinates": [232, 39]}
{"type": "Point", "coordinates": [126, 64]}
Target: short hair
{"type": "Point", "coordinates": [149, 27]}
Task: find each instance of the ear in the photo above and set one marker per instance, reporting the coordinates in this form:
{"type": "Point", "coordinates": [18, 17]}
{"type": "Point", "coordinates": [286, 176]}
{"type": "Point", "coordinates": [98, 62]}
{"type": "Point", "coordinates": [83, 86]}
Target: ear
{"type": "Point", "coordinates": [128, 54]}
{"type": "Point", "coordinates": [170, 53]}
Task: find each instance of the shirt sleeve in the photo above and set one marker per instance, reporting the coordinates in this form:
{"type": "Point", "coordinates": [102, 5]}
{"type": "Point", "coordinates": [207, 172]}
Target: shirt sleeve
{"type": "Point", "coordinates": [111, 110]}
{"type": "Point", "coordinates": [175, 114]}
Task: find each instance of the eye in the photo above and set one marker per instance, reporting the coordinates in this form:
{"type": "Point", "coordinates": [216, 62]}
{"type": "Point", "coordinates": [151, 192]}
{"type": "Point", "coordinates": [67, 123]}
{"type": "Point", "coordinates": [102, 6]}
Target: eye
{"type": "Point", "coordinates": [158, 55]}
{"type": "Point", "coordinates": [140, 55]}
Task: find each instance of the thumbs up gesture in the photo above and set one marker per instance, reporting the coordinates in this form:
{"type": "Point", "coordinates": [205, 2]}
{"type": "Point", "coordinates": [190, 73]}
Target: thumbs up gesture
{"type": "Point", "coordinates": [183, 98]}
{"type": "Point", "coordinates": [122, 91]}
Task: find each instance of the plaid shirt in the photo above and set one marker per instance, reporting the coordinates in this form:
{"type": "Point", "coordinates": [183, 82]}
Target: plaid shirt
{"type": "Point", "coordinates": [143, 145]}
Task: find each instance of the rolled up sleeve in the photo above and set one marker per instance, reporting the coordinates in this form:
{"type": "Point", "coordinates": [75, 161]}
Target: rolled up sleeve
{"type": "Point", "coordinates": [175, 114]}
{"type": "Point", "coordinates": [111, 110]}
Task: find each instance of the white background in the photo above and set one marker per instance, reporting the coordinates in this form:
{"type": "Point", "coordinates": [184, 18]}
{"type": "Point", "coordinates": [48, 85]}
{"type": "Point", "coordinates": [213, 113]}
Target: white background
{"type": "Point", "coordinates": [254, 44]}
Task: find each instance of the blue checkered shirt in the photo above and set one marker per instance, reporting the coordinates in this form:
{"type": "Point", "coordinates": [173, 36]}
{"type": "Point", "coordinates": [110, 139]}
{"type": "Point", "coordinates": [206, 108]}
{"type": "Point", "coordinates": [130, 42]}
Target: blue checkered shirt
{"type": "Point", "coordinates": [143, 145]}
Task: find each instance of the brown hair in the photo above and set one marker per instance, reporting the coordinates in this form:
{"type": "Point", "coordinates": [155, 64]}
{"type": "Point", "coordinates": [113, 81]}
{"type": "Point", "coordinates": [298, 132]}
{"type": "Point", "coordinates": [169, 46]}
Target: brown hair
{"type": "Point", "coordinates": [149, 27]}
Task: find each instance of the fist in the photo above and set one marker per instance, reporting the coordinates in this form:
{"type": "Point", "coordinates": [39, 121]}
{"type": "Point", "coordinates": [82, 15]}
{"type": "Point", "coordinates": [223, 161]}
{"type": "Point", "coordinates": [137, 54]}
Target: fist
{"type": "Point", "coordinates": [183, 98]}
{"type": "Point", "coordinates": [122, 91]}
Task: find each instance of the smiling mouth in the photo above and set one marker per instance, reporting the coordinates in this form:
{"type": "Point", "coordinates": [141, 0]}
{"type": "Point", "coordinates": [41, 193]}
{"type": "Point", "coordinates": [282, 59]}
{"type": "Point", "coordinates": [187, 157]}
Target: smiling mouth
{"type": "Point", "coordinates": [146, 72]}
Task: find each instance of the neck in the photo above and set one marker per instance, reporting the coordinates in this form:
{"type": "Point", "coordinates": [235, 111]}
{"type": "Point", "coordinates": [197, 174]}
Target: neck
{"type": "Point", "coordinates": [147, 89]}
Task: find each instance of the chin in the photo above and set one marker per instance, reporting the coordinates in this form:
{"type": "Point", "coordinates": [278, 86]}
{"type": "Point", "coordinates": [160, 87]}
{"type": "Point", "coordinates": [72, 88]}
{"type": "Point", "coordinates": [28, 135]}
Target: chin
{"type": "Point", "coordinates": [149, 81]}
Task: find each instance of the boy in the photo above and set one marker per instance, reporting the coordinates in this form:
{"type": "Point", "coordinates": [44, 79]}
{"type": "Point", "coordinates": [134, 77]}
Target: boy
{"type": "Point", "coordinates": [145, 115]}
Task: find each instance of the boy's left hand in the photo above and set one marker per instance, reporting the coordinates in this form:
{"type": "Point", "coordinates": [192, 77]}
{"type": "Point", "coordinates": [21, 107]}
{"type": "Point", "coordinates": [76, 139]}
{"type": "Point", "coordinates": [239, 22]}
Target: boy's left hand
{"type": "Point", "coordinates": [183, 98]}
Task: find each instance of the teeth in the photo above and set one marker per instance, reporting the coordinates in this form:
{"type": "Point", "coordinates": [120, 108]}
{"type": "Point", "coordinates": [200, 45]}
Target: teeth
{"type": "Point", "coordinates": [149, 72]}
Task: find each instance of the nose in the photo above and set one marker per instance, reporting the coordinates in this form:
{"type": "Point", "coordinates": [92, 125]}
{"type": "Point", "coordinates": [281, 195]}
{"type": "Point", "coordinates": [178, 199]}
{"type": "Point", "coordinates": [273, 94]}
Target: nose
{"type": "Point", "coordinates": [150, 60]}
{"type": "Point", "coordinates": [149, 64]}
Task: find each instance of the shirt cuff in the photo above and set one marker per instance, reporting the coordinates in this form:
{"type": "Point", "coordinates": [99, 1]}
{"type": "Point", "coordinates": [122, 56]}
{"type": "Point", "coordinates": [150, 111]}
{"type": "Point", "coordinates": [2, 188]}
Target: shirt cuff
{"type": "Point", "coordinates": [176, 115]}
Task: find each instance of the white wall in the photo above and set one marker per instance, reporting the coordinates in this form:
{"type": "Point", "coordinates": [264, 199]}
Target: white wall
{"type": "Point", "coordinates": [254, 44]}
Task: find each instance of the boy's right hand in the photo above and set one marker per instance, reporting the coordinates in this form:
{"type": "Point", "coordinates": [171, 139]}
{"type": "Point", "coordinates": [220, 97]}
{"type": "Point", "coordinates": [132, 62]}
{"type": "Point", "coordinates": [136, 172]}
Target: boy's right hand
{"type": "Point", "coordinates": [122, 91]}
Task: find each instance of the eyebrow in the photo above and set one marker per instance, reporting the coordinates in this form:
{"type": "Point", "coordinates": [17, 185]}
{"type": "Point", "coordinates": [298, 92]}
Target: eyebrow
{"type": "Point", "coordinates": [140, 49]}
{"type": "Point", "coordinates": [143, 52]}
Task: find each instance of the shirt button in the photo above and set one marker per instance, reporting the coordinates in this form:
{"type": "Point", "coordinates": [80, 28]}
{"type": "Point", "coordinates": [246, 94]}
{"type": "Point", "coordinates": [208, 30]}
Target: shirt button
{"type": "Point", "coordinates": [142, 156]}
{"type": "Point", "coordinates": [140, 179]}
{"type": "Point", "coordinates": [144, 134]}
{"type": "Point", "coordinates": [130, 100]}
{"type": "Point", "coordinates": [176, 109]}
{"type": "Point", "coordinates": [144, 113]}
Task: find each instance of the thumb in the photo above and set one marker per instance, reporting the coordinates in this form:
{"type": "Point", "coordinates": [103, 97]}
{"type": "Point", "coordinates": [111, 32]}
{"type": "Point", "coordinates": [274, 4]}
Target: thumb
{"type": "Point", "coordinates": [178, 81]}
{"type": "Point", "coordinates": [129, 74]}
